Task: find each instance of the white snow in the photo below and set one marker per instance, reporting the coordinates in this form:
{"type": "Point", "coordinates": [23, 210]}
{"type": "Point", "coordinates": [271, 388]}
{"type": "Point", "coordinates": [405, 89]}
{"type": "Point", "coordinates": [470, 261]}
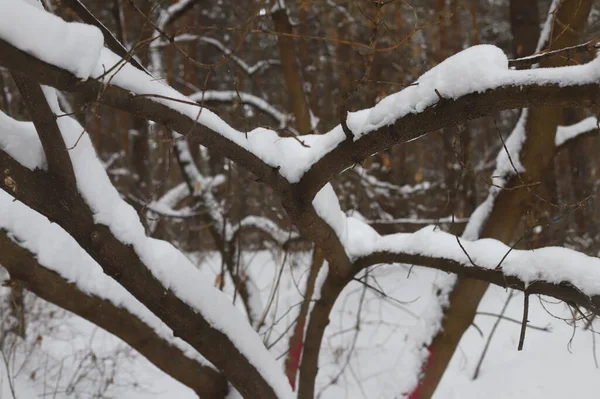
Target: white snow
{"type": "Point", "coordinates": [550, 264]}
{"type": "Point", "coordinates": [487, 66]}
{"type": "Point", "coordinates": [485, 63]}
{"type": "Point", "coordinates": [550, 366]}
{"type": "Point", "coordinates": [328, 208]}
{"type": "Point", "coordinates": [248, 69]}
{"type": "Point", "coordinates": [56, 250]}
{"type": "Point", "coordinates": [566, 133]}
{"type": "Point", "coordinates": [508, 163]}
{"type": "Point", "coordinates": [21, 142]}
{"type": "Point", "coordinates": [231, 95]}
{"type": "Point", "coordinates": [167, 264]}
{"type": "Point", "coordinates": [546, 32]}
{"type": "Point", "coordinates": [72, 46]}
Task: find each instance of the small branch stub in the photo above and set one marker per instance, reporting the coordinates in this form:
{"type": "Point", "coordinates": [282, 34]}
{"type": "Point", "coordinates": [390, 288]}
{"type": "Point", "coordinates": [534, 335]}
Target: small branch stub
{"type": "Point", "coordinates": [10, 183]}
{"type": "Point", "coordinates": [95, 236]}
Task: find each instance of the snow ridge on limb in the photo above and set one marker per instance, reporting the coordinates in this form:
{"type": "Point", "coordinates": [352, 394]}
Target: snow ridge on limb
{"type": "Point", "coordinates": [303, 161]}
{"type": "Point", "coordinates": [168, 266]}
{"type": "Point", "coordinates": [49, 38]}
{"type": "Point", "coordinates": [293, 159]}
{"type": "Point", "coordinates": [56, 250]}
{"type": "Point", "coordinates": [564, 134]}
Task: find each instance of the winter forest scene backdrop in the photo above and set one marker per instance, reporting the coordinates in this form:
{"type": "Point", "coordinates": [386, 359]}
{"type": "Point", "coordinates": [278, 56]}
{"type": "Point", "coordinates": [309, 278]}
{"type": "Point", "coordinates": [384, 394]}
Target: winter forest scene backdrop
{"type": "Point", "coordinates": [312, 199]}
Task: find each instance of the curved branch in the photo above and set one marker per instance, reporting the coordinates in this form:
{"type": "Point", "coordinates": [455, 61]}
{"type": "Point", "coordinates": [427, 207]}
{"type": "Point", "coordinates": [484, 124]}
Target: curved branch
{"type": "Point", "coordinates": [165, 294]}
{"type": "Point", "coordinates": [218, 228]}
{"type": "Point", "coordinates": [564, 291]}
{"type": "Point", "coordinates": [326, 155]}
{"type": "Point", "coordinates": [584, 128]}
{"type": "Point", "coordinates": [119, 321]}
{"type": "Point", "coordinates": [266, 226]}
{"type": "Point", "coordinates": [248, 69]}
{"type": "Point", "coordinates": [448, 113]}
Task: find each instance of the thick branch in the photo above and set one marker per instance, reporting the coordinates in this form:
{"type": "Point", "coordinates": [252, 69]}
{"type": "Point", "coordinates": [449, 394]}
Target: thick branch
{"type": "Point", "coordinates": [445, 114]}
{"type": "Point", "coordinates": [564, 291]}
{"type": "Point", "coordinates": [109, 39]}
{"type": "Point", "coordinates": [63, 205]}
{"type": "Point", "coordinates": [141, 106]}
{"type": "Point", "coordinates": [46, 284]}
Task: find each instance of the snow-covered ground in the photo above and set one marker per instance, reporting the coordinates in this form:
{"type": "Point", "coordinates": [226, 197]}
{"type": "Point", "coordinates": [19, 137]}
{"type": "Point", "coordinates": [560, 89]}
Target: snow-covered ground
{"type": "Point", "coordinates": [369, 363]}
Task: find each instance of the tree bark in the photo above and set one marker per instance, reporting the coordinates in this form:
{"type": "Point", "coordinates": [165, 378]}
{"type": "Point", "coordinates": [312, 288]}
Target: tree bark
{"type": "Point", "coordinates": [48, 285]}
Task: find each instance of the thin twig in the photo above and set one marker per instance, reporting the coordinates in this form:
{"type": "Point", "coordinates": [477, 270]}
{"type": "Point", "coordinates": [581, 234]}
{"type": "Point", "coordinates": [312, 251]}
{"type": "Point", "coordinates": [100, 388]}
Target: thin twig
{"type": "Point", "coordinates": [530, 60]}
{"type": "Point", "coordinates": [524, 323]}
{"type": "Point", "coordinates": [489, 340]}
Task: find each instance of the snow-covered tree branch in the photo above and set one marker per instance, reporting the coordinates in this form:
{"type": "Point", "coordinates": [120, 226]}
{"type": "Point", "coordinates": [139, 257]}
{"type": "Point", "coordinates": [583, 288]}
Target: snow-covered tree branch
{"type": "Point", "coordinates": [68, 235]}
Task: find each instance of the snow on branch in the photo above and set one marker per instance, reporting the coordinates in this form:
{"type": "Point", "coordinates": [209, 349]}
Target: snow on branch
{"type": "Point", "coordinates": [386, 188]}
{"type": "Point", "coordinates": [109, 39]}
{"type": "Point", "coordinates": [564, 134]}
{"type": "Point", "coordinates": [554, 271]}
{"type": "Point", "coordinates": [247, 98]}
{"type": "Point", "coordinates": [166, 16]}
{"type": "Point", "coordinates": [266, 226]}
{"type": "Point", "coordinates": [55, 250]}
{"type": "Point", "coordinates": [123, 241]}
{"type": "Point", "coordinates": [171, 13]}
{"type": "Point", "coordinates": [27, 272]}
{"type": "Point", "coordinates": [508, 164]}
{"type": "Point", "coordinates": [202, 189]}
{"type": "Point", "coordinates": [51, 39]}
{"type": "Point", "coordinates": [442, 97]}
{"type": "Point", "coordinates": [247, 68]}
{"type": "Point", "coordinates": [20, 141]}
